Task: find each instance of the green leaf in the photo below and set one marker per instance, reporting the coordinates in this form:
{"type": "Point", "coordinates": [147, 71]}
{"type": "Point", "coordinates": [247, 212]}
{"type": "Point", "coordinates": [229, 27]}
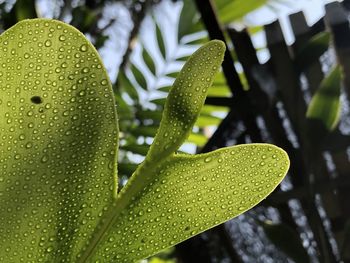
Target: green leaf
{"type": "Point", "coordinates": [141, 149]}
{"type": "Point", "coordinates": [188, 17]}
{"type": "Point", "coordinates": [59, 138]}
{"type": "Point", "coordinates": [286, 239]}
{"type": "Point", "coordinates": [325, 104]}
{"type": "Point", "coordinates": [182, 58]}
{"type": "Point", "coordinates": [149, 114]}
{"type": "Point", "coordinates": [252, 30]}
{"type": "Point", "coordinates": [100, 41]}
{"type": "Point", "coordinates": [164, 89]}
{"type": "Point", "coordinates": [58, 181]}
{"type": "Point", "coordinates": [312, 50]}
{"type": "Point", "coordinates": [219, 91]}
{"type": "Point", "coordinates": [186, 99]}
{"type": "Point", "coordinates": [149, 61]}
{"type": "Point", "coordinates": [209, 109]}
{"type": "Point", "coordinates": [25, 9]}
{"type": "Point", "coordinates": [205, 120]}
{"type": "Point", "coordinates": [172, 74]}
{"type": "Point", "coordinates": [198, 139]}
{"type": "Point", "coordinates": [237, 9]}
{"type": "Point", "coordinates": [186, 195]}
{"type": "Point", "coordinates": [170, 198]}
{"type": "Point", "coordinates": [160, 41]}
{"type": "Point", "coordinates": [83, 18]}
{"type": "Point", "coordinates": [220, 79]}
{"type": "Point", "coordinates": [127, 86]}
{"type": "Point", "coordinates": [198, 40]}
{"type": "Point", "coordinates": [140, 79]}
{"type": "Point", "coordinates": [126, 168]}
{"type": "Point", "coordinates": [220, 4]}
{"type": "Point", "coordinates": [159, 102]}
{"type": "Point", "coordinates": [147, 131]}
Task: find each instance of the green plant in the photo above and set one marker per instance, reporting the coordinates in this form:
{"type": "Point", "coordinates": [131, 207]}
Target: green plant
{"type": "Point", "coordinates": [325, 105]}
{"type": "Point", "coordinates": [59, 140]}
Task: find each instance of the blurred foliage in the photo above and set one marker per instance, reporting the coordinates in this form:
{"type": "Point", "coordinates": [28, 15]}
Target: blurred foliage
{"type": "Point", "coordinates": [312, 50]}
{"type": "Point", "coordinates": [325, 105]}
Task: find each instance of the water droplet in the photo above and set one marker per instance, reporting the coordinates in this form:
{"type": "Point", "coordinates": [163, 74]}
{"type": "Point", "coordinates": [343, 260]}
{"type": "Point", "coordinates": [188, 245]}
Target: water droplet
{"type": "Point", "coordinates": [48, 43]}
{"type": "Point", "coordinates": [44, 159]}
{"type": "Point", "coordinates": [62, 38]}
{"type": "Point", "coordinates": [83, 48]}
{"type": "Point", "coordinates": [208, 159]}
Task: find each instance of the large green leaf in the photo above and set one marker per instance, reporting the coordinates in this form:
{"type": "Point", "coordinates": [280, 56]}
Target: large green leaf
{"type": "Point", "coordinates": [186, 98]}
{"type": "Point", "coordinates": [58, 146]}
{"type": "Point", "coordinates": [186, 195]}
{"type": "Point", "coordinates": [170, 198]}
{"type": "Point", "coordinates": [59, 133]}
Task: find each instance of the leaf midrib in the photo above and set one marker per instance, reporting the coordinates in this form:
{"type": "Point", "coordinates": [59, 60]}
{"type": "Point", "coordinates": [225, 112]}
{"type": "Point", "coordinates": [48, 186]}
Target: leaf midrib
{"type": "Point", "coordinates": [141, 175]}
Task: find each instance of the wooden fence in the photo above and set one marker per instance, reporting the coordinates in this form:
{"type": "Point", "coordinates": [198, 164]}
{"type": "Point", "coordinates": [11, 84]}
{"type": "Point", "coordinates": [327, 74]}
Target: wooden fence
{"type": "Point", "coordinates": [274, 109]}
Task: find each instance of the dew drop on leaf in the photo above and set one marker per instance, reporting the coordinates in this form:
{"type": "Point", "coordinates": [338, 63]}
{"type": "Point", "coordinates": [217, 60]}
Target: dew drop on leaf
{"type": "Point", "coordinates": [83, 48]}
{"type": "Point", "coordinates": [208, 159]}
{"type": "Point", "coordinates": [48, 43]}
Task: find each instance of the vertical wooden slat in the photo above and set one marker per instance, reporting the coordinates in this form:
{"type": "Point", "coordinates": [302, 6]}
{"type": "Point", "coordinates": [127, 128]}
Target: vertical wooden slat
{"type": "Point", "coordinates": [247, 56]}
{"type": "Point", "coordinates": [291, 94]}
{"type": "Point", "coordinates": [336, 18]}
{"type": "Point", "coordinates": [287, 79]}
{"type": "Point", "coordinates": [337, 21]}
{"type": "Point", "coordinates": [302, 34]}
{"type": "Point", "coordinates": [314, 76]}
{"type": "Point", "coordinates": [286, 76]}
{"type": "Point", "coordinates": [240, 100]}
{"type": "Point", "coordinates": [243, 105]}
{"type": "Point", "coordinates": [211, 22]}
